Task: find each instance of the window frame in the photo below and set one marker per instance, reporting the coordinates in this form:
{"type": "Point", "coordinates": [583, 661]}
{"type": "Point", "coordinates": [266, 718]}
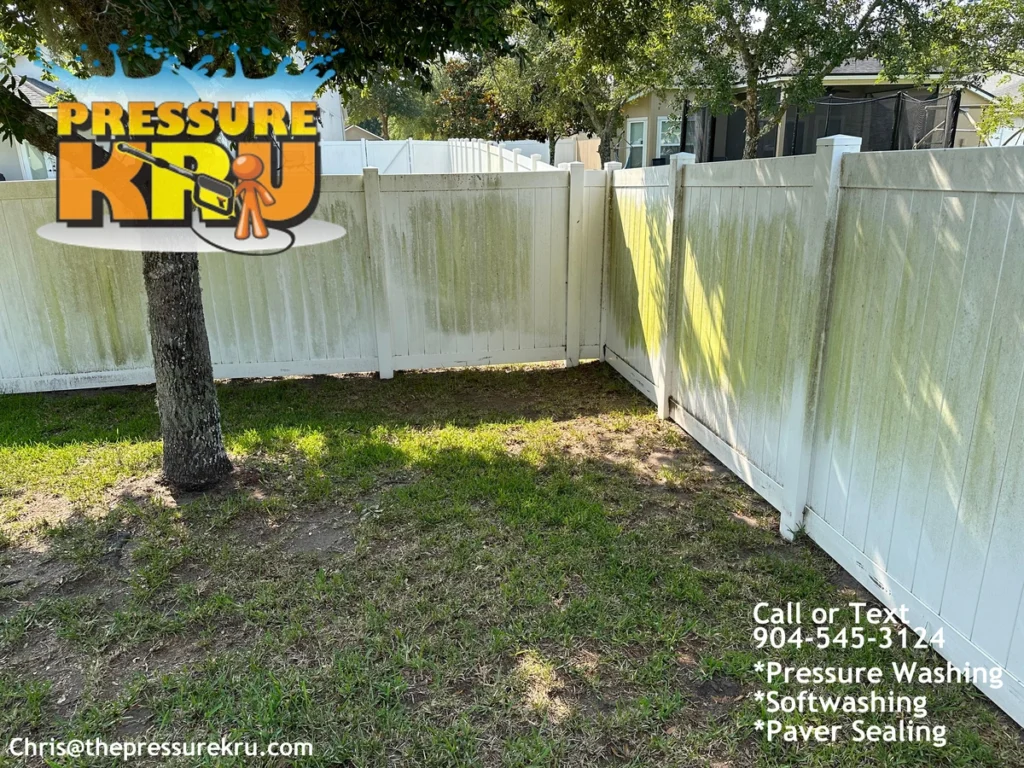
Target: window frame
{"type": "Point", "coordinates": [26, 165]}
{"type": "Point", "coordinates": [662, 119]}
{"type": "Point", "coordinates": [643, 142]}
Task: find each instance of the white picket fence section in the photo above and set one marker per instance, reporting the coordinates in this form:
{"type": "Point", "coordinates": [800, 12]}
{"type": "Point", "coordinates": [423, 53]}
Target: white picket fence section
{"type": "Point", "coordinates": [845, 332]}
{"type": "Point", "coordinates": [479, 156]}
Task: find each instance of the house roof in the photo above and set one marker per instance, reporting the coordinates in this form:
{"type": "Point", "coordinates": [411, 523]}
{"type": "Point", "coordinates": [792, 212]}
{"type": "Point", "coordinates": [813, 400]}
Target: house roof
{"type": "Point", "coordinates": [355, 133]}
{"type": "Point", "coordinates": [1003, 84]}
{"type": "Point", "coordinates": [36, 91]}
{"type": "Point", "coordinates": [848, 67]}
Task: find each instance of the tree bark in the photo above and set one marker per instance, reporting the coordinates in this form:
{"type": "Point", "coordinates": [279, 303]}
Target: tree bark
{"type": "Point", "coordinates": [552, 144]}
{"type": "Point", "coordinates": [752, 127]}
{"type": "Point", "coordinates": [604, 147]}
{"type": "Point", "coordinates": [37, 128]}
{"type": "Point", "coordinates": [194, 455]}
{"type": "Point", "coordinates": [385, 133]}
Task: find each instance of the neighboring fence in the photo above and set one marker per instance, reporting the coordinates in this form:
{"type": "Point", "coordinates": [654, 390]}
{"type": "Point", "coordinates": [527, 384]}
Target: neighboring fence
{"type": "Point", "coordinates": [479, 156]}
{"type": "Point", "coordinates": [568, 149]}
{"type": "Point", "coordinates": [389, 157]}
{"type": "Point", "coordinates": [435, 270]}
{"type": "Point", "coordinates": [852, 345]}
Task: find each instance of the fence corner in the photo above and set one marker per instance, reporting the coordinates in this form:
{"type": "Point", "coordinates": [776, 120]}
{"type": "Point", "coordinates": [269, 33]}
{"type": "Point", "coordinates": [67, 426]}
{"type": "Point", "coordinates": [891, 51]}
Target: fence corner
{"type": "Point", "coordinates": [609, 170]}
{"type": "Point", "coordinates": [377, 254]}
{"type": "Point", "coordinates": [574, 270]}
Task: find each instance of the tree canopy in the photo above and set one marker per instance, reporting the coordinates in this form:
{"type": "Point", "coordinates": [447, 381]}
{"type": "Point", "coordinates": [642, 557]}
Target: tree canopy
{"type": "Point", "coordinates": [391, 34]}
{"type": "Point", "coordinates": [725, 46]}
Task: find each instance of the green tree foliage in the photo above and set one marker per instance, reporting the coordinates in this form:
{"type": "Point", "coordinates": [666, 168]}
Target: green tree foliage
{"type": "Point", "coordinates": [383, 97]}
{"type": "Point", "coordinates": [972, 41]}
{"type": "Point", "coordinates": [605, 53]}
{"type": "Point", "coordinates": [524, 91]}
{"type": "Point", "coordinates": [395, 35]}
{"type": "Point", "coordinates": [461, 105]}
{"type": "Point", "coordinates": [720, 44]}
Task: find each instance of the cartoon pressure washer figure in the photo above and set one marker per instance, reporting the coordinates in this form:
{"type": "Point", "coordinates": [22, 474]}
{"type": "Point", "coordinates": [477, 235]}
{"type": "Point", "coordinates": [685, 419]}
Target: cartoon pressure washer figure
{"type": "Point", "coordinates": [247, 196]}
{"type": "Point", "coordinates": [247, 168]}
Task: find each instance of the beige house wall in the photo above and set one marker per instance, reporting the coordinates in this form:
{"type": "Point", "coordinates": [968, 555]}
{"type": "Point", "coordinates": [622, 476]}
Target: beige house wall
{"type": "Point", "coordinates": [651, 107]}
{"type": "Point", "coordinates": [966, 133]}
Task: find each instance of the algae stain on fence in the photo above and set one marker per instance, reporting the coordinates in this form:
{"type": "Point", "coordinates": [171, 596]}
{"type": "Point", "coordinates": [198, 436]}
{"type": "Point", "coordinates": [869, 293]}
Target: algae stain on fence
{"type": "Point", "coordinates": [637, 276]}
{"type": "Point", "coordinates": [494, 260]}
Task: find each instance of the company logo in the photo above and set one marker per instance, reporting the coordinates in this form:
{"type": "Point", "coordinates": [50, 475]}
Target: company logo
{"type": "Point", "coordinates": [200, 162]}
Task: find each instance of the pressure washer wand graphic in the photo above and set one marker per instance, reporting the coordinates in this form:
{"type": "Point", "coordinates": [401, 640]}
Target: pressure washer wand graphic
{"type": "Point", "coordinates": [223, 191]}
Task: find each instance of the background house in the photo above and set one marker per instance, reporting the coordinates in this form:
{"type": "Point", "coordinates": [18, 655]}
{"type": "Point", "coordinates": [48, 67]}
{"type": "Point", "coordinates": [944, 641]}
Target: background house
{"type": "Point", "coordinates": [23, 161]}
{"type": "Point", "coordinates": [898, 115]}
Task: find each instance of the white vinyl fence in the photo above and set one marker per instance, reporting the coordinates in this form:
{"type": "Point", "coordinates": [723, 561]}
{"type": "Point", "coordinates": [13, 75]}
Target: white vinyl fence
{"type": "Point", "coordinates": [845, 332]}
{"type": "Point", "coordinates": [479, 156]}
{"type": "Point", "coordinates": [409, 156]}
{"type": "Point", "coordinates": [435, 270]}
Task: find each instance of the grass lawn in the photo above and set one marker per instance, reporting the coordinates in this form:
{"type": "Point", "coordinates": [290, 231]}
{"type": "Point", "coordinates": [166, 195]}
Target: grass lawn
{"type": "Point", "coordinates": [497, 567]}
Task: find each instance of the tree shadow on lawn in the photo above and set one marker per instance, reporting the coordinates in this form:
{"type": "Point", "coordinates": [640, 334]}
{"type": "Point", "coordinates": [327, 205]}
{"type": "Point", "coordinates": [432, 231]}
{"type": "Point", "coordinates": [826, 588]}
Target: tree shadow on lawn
{"type": "Point", "coordinates": [414, 398]}
{"type": "Point", "coordinates": [414, 572]}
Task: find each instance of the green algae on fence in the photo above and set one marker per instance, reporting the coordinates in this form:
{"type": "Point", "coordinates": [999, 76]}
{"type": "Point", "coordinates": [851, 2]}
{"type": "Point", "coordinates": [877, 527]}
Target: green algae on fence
{"type": "Point", "coordinates": [741, 288]}
{"type": "Point", "coordinates": [83, 303]}
{"type": "Point", "coordinates": [462, 279]}
{"type": "Point", "coordinates": [639, 262]}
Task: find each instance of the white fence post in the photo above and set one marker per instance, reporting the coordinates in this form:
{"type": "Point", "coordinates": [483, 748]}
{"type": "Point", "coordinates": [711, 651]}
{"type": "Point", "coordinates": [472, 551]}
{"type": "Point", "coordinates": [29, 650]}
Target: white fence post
{"type": "Point", "coordinates": [534, 159]}
{"type": "Point", "coordinates": [515, 160]}
{"type": "Point", "coordinates": [609, 170]}
{"type": "Point", "coordinates": [411, 165]}
{"type": "Point", "coordinates": [377, 250]}
{"type": "Point", "coordinates": [664, 375]}
{"type": "Point", "coordinates": [796, 439]}
{"type": "Point", "coordinates": [574, 279]}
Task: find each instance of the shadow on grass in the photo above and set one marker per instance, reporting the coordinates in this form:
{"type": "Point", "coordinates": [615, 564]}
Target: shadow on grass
{"type": "Point", "coordinates": [468, 568]}
{"type": "Point", "coordinates": [464, 397]}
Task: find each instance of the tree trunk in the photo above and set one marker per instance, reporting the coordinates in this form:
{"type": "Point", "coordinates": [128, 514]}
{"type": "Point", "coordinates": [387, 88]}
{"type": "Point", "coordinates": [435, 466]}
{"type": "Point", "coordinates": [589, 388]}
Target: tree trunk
{"type": "Point", "coordinates": [384, 127]}
{"type": "Point", "coordinates": [604, 147]}
{"type": "Point", "coordinates": [552, 145]}
{"type": "Point", "coordinates": [194, 455]}
{"type": "Point", "coordinates": [38, 128]}
{"type": "Point", "coordinates": [753, 125]}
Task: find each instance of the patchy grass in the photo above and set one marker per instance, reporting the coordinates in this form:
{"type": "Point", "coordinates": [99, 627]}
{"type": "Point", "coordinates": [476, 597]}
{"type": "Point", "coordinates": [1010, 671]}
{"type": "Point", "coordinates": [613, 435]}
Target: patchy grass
{"type": "Point", "coordinates": [500, 567]}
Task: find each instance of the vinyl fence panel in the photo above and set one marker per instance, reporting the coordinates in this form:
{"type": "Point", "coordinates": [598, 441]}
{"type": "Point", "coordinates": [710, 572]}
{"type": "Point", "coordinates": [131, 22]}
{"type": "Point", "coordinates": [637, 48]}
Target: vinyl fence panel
{"type": "Point", "coordinates": [476, 267]}
{"type": "Point", "coordinates": [917, 485]}
{"type": "Point", "coordinates": [639, 229]}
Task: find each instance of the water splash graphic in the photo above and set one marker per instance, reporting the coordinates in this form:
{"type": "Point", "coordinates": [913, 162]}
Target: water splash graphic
{"type": "Point", "coordinates": [176, 82]}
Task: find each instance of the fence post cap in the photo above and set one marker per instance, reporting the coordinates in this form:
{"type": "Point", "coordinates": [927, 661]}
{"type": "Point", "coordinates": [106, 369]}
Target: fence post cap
{"type": "Point", "coordinates": [839, 140]}
{"type": "Point", "coordinates": [613, 165]}
{"type": "Point", "coordinates": [682, 158]}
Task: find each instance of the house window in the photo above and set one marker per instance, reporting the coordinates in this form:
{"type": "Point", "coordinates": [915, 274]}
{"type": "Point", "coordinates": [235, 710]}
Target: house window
{"type": "Point", "coordinates": [636, 141]}
{"type": "Point", "coordinates": [36, 164]}
{"type": "Point", "coordinates": [668, 136]}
